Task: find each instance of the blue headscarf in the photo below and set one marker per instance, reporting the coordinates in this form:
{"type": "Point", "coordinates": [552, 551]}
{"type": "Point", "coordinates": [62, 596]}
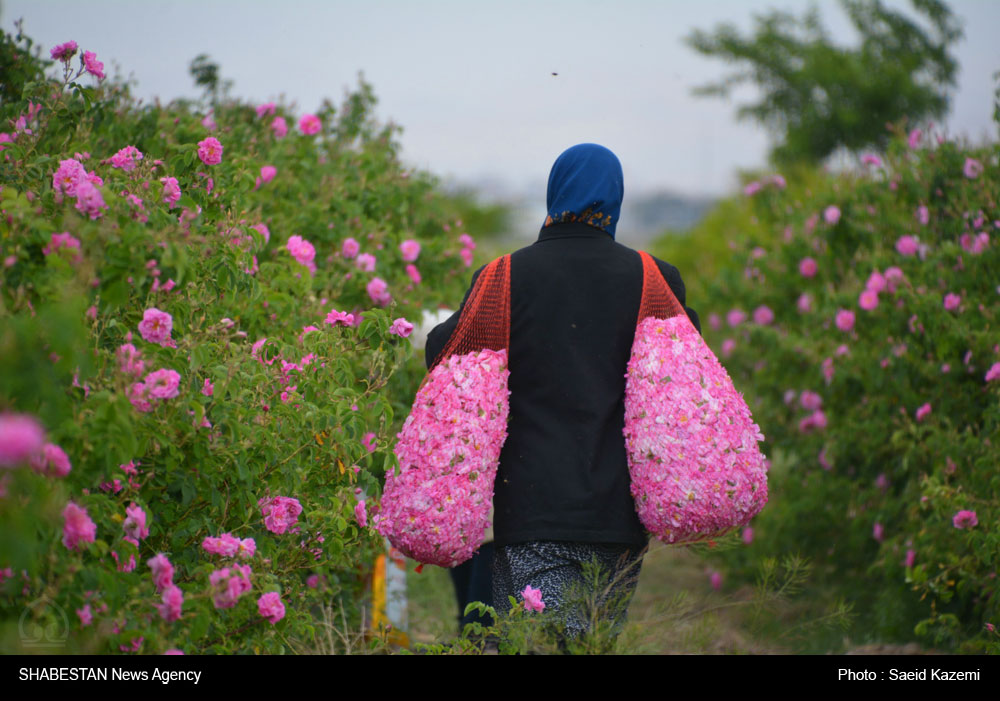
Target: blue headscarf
{"type": "Point", "coordinates": [586, 185]}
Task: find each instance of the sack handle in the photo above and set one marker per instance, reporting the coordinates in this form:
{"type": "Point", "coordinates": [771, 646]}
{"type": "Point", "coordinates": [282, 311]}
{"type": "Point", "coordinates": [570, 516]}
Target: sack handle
{"type": "Point", "coordinates": [657, 298]}
{"type": "Point", "coordinates": [485, 320]}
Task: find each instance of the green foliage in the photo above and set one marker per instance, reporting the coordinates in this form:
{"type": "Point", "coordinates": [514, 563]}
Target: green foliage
{"type": "Point", "coordinates": [306, 414]}
{"type": "Point", "coordinates": [819, 95]}
{"type": "Point", "coordinates": [869, 491]}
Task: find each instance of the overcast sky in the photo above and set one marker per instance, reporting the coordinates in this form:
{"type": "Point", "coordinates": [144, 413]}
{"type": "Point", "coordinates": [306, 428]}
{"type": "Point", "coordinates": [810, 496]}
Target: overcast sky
{"type": "Point", "coordinates": [471, 82]}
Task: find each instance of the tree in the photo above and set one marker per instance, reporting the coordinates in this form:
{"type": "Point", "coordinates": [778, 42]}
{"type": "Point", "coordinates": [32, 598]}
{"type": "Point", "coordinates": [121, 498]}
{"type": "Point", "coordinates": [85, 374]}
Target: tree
{"type": "Point", "coordinates": [818, 96]}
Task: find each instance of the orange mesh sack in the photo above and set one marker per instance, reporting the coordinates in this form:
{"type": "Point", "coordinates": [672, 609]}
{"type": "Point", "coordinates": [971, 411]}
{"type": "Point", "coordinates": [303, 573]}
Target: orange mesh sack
{"type": "Point", "coordinates": [696, 468]}
{"type": "Point", "coordinates": [436, 508]}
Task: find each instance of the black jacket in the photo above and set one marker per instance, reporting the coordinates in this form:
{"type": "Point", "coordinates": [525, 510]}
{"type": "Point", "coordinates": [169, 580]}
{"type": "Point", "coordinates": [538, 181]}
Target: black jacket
{"type": "Point", "coordinates": [563, 473]}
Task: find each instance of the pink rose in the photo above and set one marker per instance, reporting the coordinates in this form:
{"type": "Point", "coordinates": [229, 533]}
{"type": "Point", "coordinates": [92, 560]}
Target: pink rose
{"type": "Point", "coordinates": [804, 302]}
{"type": "Point", "coordinates": [907, 245]}
{"type": "Point", "coordinates": [993, 373]}
{"type": "Point", "coordinates": [127, 159]}
{"type": "Point", "coordinates": [810, 400]}
{"type": "Point", "coordinates": [208, 388]}
{"type": "Point", "coordinates": [972, 168]}
{"type": "Point", "coordinates": [728, 346]}
{"type": "Point", "coordinates": [309, 124]}
{"type": "Point", "coordinates": [878, 532]}
{"type": "Point", "coordinates": [871, 160]}
{"type": "Point", "coordinates": [270, 607]}
{"type": "Point", "coordinates": [335, 317]}
{"type": "Point", "coordinates": [280, 513]}
{"type": "Point", "coordinates": [868, 300]}
{"type": "Point", "coordinates": [401, 327]}
{"type": "Point", "coordinates": [735, 317]}
{"type": "Point", "coordinates": [763, 315]}
{"type": "Point", "coordinates": [350, 248]}
{"type": "Point", "coordinates": [911, 557]}
{"type": "Point", "coordinates": [876, 282]}
{"type": "Point", "coordinates": [163, 384]}
{"type": "Point", "coordinates": [77, 526]}
{"type": "Point", "coordinates": [369, 442]}
{"type": "Point", "coordinates": [86, 615]}
{"type": "Point", "coordinates": [265, 109]}
{"type": "Point", "coordinates": [831, 214]}
{"type": "Point", "coordinates": [210, 151]}
{"type": "Point", "coordinates": [965, 519]}
{"type": "Point", "coordinates": [410, 250]}
{"type": "Point", "coordinates": [533, 599]}
{"type": "Point", "coordinates": [64, 52]}
{"type": "Point", "coordinates": [914, 138]}
{"type": "Point", "coordinates": [413, 273]}
{"type": "Point", "coordinates": [361, 514]}
{"type": "Point", "coordinates": [279, 126]}
{"type": "Point", "coordinates": [716, 580]}
{"type": "Point", "coordinates": [173, 600]}
{"type": "Point", "coordinates": [365, 262]}
{"type": "Point", "coordinates": [21, 437]}
{"type": "Point", "coordinates": [752, 188]}
{"type": "Point", "coordinates": [92, 65]}
{"type": "Point", "coordinates": [748, 535]}
{"type": "Point", "coordinates": [923, 411]}
{"type": "Point", "coordinates": [267, 173]}
{"type": "Point", "coordinates": [163, 571]}
{"type": "Point", "coordinates": [845, 320]}
{"type": "Point", "coordinates": [952, 301]}
{"type": "Point", "coordinates": [171, 192]}
{"type": "Point", "coordinates": [379, 292]}
{"type": "Point", "coordinates": [302, 251]}
{"type": "Point", "coordinates": [807, 267]}
{"type": "Point", "coordinates": [156, 326]}
{"type": "Point", "coordinates": [135, 523]}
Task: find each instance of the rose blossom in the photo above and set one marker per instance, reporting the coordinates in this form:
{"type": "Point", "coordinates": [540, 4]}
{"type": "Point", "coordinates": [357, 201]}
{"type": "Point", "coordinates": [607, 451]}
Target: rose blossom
{"type": "Point", "coordinates": [911, 557]}
{"type": "Point", "coordinates": [267, 173]}
{"type": "Point", "coordinates": [279, 126]}
{"type": "Point", "coordinates": [171, 192]}
{"type": "Point", "coordinates": [965, 519]}
{"type": "Point", "coordinates": [413, 273]}
{"type": "Point", "coordinates": [309, 124]}
{"type": "Point", "coordinates": [21, 437]}
{"type": "Point", "coordinates": [210, 151]}
{"type": "Point", "coordinates": [52, 460]}
{"type": "Point", "coordinates": [913, 140]}
{"type": "Point", "coordinates": [951, 301]}
{"type": "Point", "coordinates": [65, 51]}
{"type": "Point", "coordinates": [89, 200]}
{"type": "Point", "coordinates": [993, 373]}
{"type": "Point", "coordinates": [127, 159]}
{"type": "Point", "coordinates": [365, 262]}
{"type": "Point", "coordinates": [401, 327]}
{"type": "Point", "coordinates": [92, 65]}
{"type": "Point", "coordinates": [923, 411]}
{"type": "Point", "coordinates": [748, 535]}
{"type": "Point", "coordinates": [972, 168]}
{"type": "Point", "coordinates": [173, 600]}
{"type": "Point", "coordinates": [350, 248]}
{"type": "Point", "coordinates": [807, 267]}
{"type": "Point", "coordinates": [369, 441]}
{"type": "Point", "coordinates": [735, 317]}
{"type": "Point", "coordinates": [533, 599]}
{"type": "Point", "coordinates": [270, 607]}
{"type": "Point", "coordinates": [868, 300]}
{"type": "Point", "coordinates": [156, 326]}
{"type": "Point", "coordinates": [135, 525]}
{"type": "Point", "coordinates": [763, 315]}
{"type": "Point", "coordinates": [163, 571]}
{"type": "Point", "coordinates": [163, 384]}
{"type": "Point", "coordinates": [831, 214]}
{"type": "Point", "coordinates": [77, 526]}
{"type": "Point", "coordinates": [878, 532]}
{"type": "Point", "coordinates": [907, 245]}
{"type": "Point", "coordinates": [410, 250]}
{"type": "Point", "coordinates": [804, 302]}
{"type": "Point", "coordinates": [876, 282]}
{"type": "Point", "coordinates": [360, 513]}
{"type": "Point", "coordinates": [845, 320]}
{"type": "Point", "coordinates": [378, 291]}
{"type": "Point", "coordinates": [279, 513]}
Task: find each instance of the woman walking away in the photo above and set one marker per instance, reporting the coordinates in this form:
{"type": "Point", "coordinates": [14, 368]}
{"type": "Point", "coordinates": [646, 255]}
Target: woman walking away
{"type": "Point", "coordinates": [562, 496]}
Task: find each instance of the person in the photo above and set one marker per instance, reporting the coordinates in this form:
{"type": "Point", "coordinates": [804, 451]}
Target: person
{"type": "Point", "coordinates": [562, 497]}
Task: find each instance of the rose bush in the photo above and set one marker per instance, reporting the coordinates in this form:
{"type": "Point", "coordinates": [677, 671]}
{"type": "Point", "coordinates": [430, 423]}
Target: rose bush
{"type": "Point", "coordinates": [876, 380]}
{"type": "Point", "coordinates": [168, 275]}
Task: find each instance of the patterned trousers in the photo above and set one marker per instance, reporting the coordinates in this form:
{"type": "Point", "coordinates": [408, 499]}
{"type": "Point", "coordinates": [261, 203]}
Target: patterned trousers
{"type": "Point", "coordinates": [583, 583]}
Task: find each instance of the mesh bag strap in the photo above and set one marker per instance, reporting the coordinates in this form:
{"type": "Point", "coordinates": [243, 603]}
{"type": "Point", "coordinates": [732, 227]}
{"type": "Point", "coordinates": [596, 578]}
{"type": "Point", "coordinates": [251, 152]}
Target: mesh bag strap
{"type": "Point", "coordinates": [485, 320]}
{"type": "Point", "coordinates": [657, 298]}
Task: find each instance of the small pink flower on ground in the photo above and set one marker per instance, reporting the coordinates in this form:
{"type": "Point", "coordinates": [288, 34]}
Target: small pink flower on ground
{"type": "Point", "coordinates": [369, 441]}
{"type": "Point", "coordinates": [302, 251]}
{"type": "Point", "coordinates": [868, 300]}
{"type": "Point", "coordinates": [965, 519]}
{"type": "Point", "coordinates": [92, 65]}
{"type": "Point", "coordinates": [907, 245]}
{"type": "Point", "coordinates": [361, 513]}
{"type": "Point", "coordinates": [831, 214]}
{"type": "Point", "coordinates": [923, 411]}
{"type": "Point", "coordinates": [410, 250]}
{"type": "Point", "coordinates": [716, 580]}
{"type": "Point", "coordinates": [878, 532]}
{"type": "Point", "coordinates": [270, 607]}
{"type": "Point", "coordinates": [350, 248]}
{"type": "Point", "coordinates": [210, 151]}
{"type": "Point", "coordinates": [279, 126]}
{"type": "Point", "coordinates": [876, 282]}
{"type": "Point", "coordinates": [533, 599]}
{"type": "Point", "coordinates": [845, 320]}
{"type": "Point", "coordinates": [763, 315]}
{"type": "Point", "coordinates": [77, 526]}
{"type": "Point", "coordinates": [972, 168]}
{"type": "Point", "coordinates": [64, 51]}
{"type": "Point", "coordinates": [135, 523]}
{"type": "Point", "coordinates": [413, 273]}
{"type": "Point", "coordinates": [807, 267]}
{"type": "Point", "coordinates": [952, 301]}
{"type": "Point", "coordinates": [173, 600]}
{"type": "Point", "coordinates": [365, 262]}
{"type": "Point", "coordinates": [208, 388]}
{"type": "Point", "coordinates": [309, 124]}
{"type": "Point", "coordinates": [163, 571]}
{"type": "Point", "coordinates": [21, 437]}
{"type": "Point", "coordinates": [156, 326]}
{"type": "Point", "coordinates": [894, 277]}
{"type": "Point", "coordinates": [401, 327]}
{"type": "Point", "coordinates": [267, 173]}
{"type": "Point", "coordinates": [748, 535]}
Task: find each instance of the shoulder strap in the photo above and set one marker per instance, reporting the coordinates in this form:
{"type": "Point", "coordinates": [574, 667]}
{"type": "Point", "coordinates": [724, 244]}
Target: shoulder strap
{"type": "Point", "coordinates": [485, 319]}
{"type": "Point", "coordinates": [657, 298]}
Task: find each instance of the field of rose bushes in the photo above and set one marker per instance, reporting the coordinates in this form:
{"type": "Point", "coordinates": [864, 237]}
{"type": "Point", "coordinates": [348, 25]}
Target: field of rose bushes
{"type": "Point", "coordinates": [860, 314]}
{"type": "Point", "coordinates": [203, 358]}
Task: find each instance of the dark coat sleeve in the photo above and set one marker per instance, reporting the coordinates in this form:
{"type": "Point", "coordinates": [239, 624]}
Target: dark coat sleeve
{"type": "Point", "coordinates": [437, 339]}
{"type": "Point", "coordinates": [673, 277]}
